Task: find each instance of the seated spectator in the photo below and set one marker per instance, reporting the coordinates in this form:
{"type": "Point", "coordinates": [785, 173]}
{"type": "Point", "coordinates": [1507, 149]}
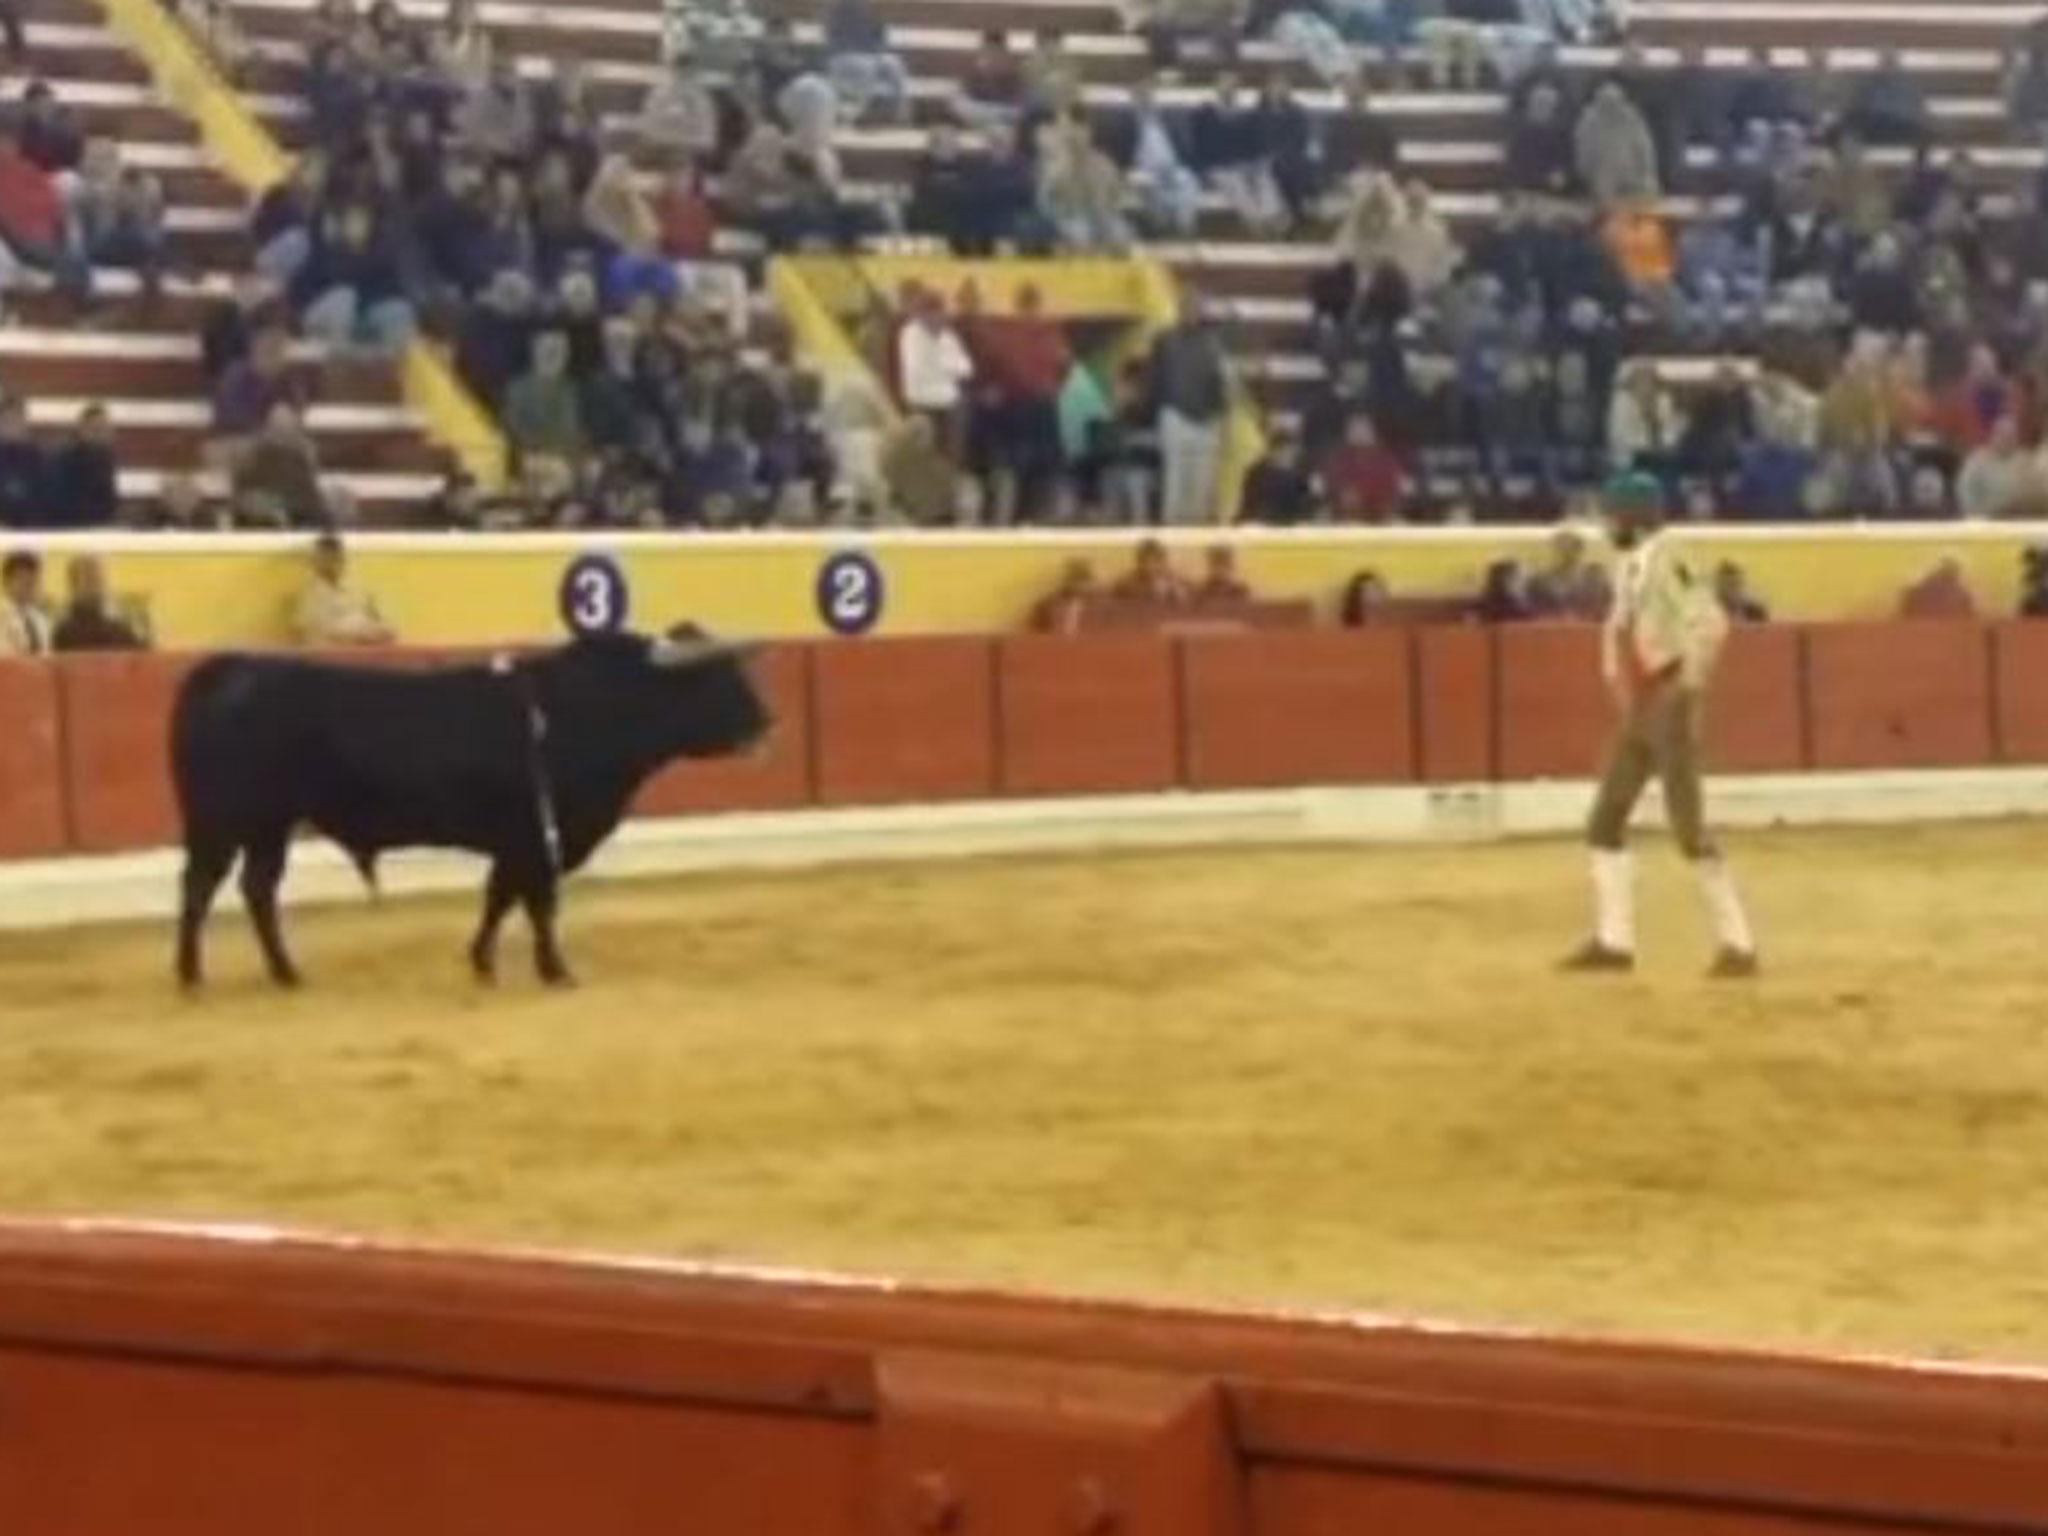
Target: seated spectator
{"type": "Point", "coordinates": [1060, 611]}
{"type": "Point", "coordinates": [50, 136]}
{"type": "Point", "coordinates": [81, 482]}
{"type": "Point", "coordinates": [35, 226]}
{"type": "Point", "coordinates": [1226, 146]}
{"type": "Point", "coordinates": [1857, 477]}
{"type": "Point", "coordinates": [947, 195]}
{"type": "Point", "coordinates": [1151, 578]}
{"type": "Point", "coordinates": [330, 610]}
{"type": "Point", "coordinates": [1542, 151]}
{"type": "Point", "coordinates": [992, 91]}
{"type": "Point", "coordinates": [283, 220]}
{"type": "Point", "coordinates": [1364, 601]}
{"type": "Point", "coordinates": [2033, 602]}
{"type": "Point", "coordinates": [495, 343]}
{"type": "Point", "coordinates": [1645, 423]}
{"type": "Point", "coordinates": [1278, 489]}
{"type": "Point", "coordinates": [351, 288]}
{"type": "Point", "coordinates": [24, 469]}
{"type": "Point", "coordinates": [1998, 478]}
{"type": "Point", "coordinates": [1719, 427]}
{"type": "Point", "coordinates": [1502, 599]}
{"type": "Point", "coordinates": [1613, 152]}
{"type": "Point", "coordinates": [178, 504]}
{"type": "Point", "coordinates": [1356, 139]}
{"type": "Point", "coordinates": [249, 389]}
{"type": "Point", "coordinates": [863, 69]}
{"type": "Point", "coordinates": [542, 415]}
{"type": "Point", "coordinates": [1886, 105]}
{"type": "Point", "coordinates": [1929, 496]}
{"type": "Point", "coordinates": [857, 425]}
{"type": "Point", "coordinates": [1943, 593]}
{"type": "Point", "coordinates": [1364, 479]}
{"type": "Point", "coordinates": [1079, 191]}
{"type": "Point", "coordinates": [619, 213]}
{"type": "Point", "coordinates": [1731, 589]}
{"type": "Point", "coordinates": [25, 627]}
{"type": "Point", "coordinates": [1221, 582]}
{"type": "Point", "coordinates": [118, 213]}
{"type": "Point", "coordinates": [678, 118]}
{"type": "Point", "coordinates": [87, 624]}
{"type": "Point", "coordinates": [276, 481]}
{"type": "Point", "coordinates": [2026, 79]}
{"type": "Point", "coordinates": [229, 329]}
{"type": "Point", "coordinates": [1286, 142]}
{"type": "Point", "coordinates": [1966, 412]}
{"type": "Point", "coordinates": [1154, 158]}
{"type": "Point", "coordinates": [1569, 586]}
{"type": "Point", "coordinates": [925, 484]}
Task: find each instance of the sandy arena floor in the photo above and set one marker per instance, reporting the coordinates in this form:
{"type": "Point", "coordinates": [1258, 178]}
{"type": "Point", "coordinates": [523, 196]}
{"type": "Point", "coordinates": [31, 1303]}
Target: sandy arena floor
{"type": "Point", "coordinates": [1310, 1077]}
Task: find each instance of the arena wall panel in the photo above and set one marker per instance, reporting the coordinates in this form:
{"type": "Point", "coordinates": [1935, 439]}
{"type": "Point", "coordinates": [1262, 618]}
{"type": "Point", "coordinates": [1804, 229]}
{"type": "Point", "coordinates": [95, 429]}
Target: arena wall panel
{"type": "Point", "coordinates": [910, 719]}
{"type": "Point", "coordinates": [117, 716]}
{"type": "Point", "coordinates": [2019, 653]}
{"type": "Point", "coordinates": [1309, 707]}
{"type": "Point", "coordinates": [775, 777]}
{"type": "Point", "coordinates": [1088, 714]}
{"type": "Point", "coordinates": [1756, 711]}
{"type": "Point", "coordinates": [1555, 713]}
{"type": "Point", "coordinates": [250, 1383]}
{"type": "Point", "coordinates": [1909, 694]}
{"type": "Point", "coordinates": [1456, 704]}
{"type": "Point", "coordinates": [33, 812]}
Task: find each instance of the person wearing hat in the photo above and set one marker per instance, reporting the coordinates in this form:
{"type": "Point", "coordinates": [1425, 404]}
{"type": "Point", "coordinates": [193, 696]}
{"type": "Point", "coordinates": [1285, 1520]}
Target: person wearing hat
{"type": "Point", "coordinates": [1662, 638]}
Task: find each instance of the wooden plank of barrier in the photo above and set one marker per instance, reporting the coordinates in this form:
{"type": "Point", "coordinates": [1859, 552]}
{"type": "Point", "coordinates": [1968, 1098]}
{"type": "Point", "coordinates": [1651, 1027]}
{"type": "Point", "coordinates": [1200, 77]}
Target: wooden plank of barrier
{"type": "Point", "coordinates": [1756, 710]}
{"type": "Point", "coordinates": [1454, 692]}
{"type": "Point", "coordinates": [903, 719]}
{"type": "Point", "coordinates": [777, 776]}
{"type": "Point", "coordinates": [1911, 694]}
{"type": "Point", "coordinates": [116, 710]}
{"type": "Point", "coordinates": [2020, 681]}
{"type": "Point", "coordinates": [1314, 707]}
{"type": "Point", "coordinates": [32, 805]}
{"type": "Point", "coordinates": [1555, 711]}
{"type": "Point", "coordinates": [1087, 714]}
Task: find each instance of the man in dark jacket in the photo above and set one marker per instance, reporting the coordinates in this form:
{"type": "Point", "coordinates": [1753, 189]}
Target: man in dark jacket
{"type": "Point", "coordinates": [86, 624]}
{"type": "Point", "coordinates": [1190, 386]}
{"type": "Point", "coordinates": [83, 488]}
{"type": "Point", "coordinates": [24, 469]}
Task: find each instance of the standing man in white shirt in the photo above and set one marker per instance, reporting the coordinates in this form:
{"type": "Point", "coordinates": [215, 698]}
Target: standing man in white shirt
{"type": "Point", "coordinates": [1662, 638]}
{"type": "Point", "coordinates": [933, 367]}
{"type": "Point", "coordinates": [25, 627]}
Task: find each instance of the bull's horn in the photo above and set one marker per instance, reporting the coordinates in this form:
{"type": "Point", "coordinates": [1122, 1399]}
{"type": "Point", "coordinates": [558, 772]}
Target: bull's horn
{"type": "Point", "coordinates": [696, 652]}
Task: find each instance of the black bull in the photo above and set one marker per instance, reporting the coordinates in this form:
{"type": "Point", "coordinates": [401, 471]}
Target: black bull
{"type": "Point", "coordinates": [529, 761]}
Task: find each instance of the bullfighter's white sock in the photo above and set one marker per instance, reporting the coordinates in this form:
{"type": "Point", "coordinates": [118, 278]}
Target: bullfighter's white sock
{"type": "Point", "coordinates": [1614, 899]}
{"type": "Point", "coordinates": [1724, 905]}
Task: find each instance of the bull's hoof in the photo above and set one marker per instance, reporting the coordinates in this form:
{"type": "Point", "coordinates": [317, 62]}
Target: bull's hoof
{"type": "Point", "coordinates": [558, 976]}
{"type": "Point", "coordinates": [289, 980]}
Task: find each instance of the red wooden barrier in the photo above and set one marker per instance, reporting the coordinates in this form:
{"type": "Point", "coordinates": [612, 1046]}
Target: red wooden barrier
{"type": "Point", "coordinates": [1087, 714]}
{"type": "Point", "coordinates": [1555, 712]}
{"type": "Point", "coordinates": [1454, 670]}
{"type": "Point", "coordinates": [775, 777]}
{"type": "Point", "coordinates": [1900, 695]}
{"type": "Point", "coordinates": [32, 809]}
{"type": "Point", "coordinates": [1316, 707]}
{"type": "Point", "coordinates": [117, 714]}
{"type": "Point", "coordinates": [2020, 690]}
{"type": "Point", "coordinates": [908, 719]}
{"type": "Point", "coordinates": [1756, 712]}
{"type": "Point", "coordinates": [358, 1390]}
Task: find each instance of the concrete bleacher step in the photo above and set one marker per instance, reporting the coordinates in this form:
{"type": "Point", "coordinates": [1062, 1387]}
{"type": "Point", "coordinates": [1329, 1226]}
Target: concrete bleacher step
{"type": "Point", "coordinates": [56, 362]}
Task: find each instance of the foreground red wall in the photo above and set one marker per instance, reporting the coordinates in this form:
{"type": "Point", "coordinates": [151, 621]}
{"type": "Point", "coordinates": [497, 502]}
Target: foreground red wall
{"type": "Point", "coordinates": [964, 717]}
{"type": "Point", "coordinates": [180, 1385]}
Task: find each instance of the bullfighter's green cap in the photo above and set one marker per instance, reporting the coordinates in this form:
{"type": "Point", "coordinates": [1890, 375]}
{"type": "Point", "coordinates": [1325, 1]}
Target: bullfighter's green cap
{"type": "Point", "coordinates": [1634, 491]}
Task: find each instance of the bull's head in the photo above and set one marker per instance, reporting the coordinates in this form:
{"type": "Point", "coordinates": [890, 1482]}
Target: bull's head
{"type": "Point", "coordinates": [709, 701]}
{"type": "Point", "coordinates": [682, 693]}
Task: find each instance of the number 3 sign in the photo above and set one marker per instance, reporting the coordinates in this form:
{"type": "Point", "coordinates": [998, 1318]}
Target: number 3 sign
{"type": "Point", "coordinates": [593, 596]}
{"type": "Point", "coordinates": [850, 593]}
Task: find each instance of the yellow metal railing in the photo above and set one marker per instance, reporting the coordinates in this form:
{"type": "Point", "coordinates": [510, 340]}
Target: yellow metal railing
{"type": "Point", "coordinates": [188, 79]}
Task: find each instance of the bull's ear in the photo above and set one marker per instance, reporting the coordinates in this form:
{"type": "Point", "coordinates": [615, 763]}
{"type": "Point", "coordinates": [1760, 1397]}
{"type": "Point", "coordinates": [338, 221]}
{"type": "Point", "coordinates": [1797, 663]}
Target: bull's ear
{"type": "Point", "coordinates": [665, 652]}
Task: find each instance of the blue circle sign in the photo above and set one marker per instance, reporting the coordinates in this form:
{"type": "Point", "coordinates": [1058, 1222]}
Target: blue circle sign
{"type": "Point", "coordinates": [593, 597]}
{"type": "Point", "coordinates": [850, 593]}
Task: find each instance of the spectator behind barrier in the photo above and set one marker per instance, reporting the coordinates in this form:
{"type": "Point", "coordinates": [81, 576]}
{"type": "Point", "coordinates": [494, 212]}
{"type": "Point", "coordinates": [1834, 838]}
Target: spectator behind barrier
{"type": "Point", "coordinates": [1059, 612]}
{"type": "Point", "coordinates": [1151, 578]}
{"type": "Point", "coordinates": [2034, 582]}
{"type": "Point", "coordinates": [1221, 582]}
{"type": "Point", "coordinates": [25, 628]}
{"type": "Point", "coordinates": [329, 609]}
{"type": "Point", "coordinates": [1364, 600]}
{"type": "Point", "coordinates": [87, 622]}
{"type": "Point", "coordinates": [1569, 586]}
{"type": "Point", "coordinates": [1943, 593]}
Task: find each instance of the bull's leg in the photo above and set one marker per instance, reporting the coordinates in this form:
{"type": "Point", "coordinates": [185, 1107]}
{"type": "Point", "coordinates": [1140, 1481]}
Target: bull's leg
{"type": "Point", "coordinates": [205, 867]}
{"type": "Point", "coordinates": [500, 891]}
{"type": "Point", "coordinates": [262, 872]}
{"type": "Point", "coordinates": [538, 894]}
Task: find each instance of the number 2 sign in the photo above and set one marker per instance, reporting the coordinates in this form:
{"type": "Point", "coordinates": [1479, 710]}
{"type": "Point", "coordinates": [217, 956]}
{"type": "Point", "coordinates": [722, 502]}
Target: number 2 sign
{"type": "Point", "coordinates": [850, 593]}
